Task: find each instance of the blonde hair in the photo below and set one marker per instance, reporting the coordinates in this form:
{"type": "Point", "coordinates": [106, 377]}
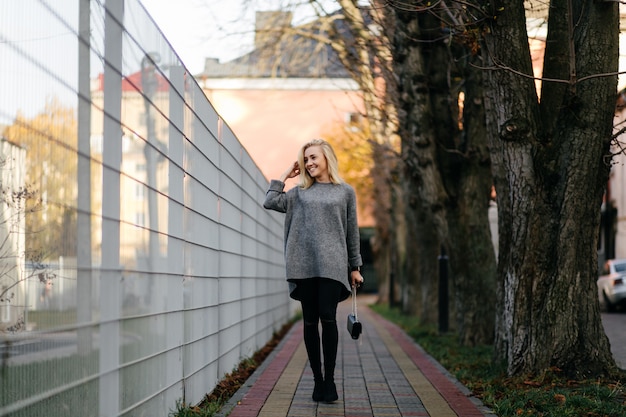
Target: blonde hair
{"type": "Point", "coordinates": [331, 160]}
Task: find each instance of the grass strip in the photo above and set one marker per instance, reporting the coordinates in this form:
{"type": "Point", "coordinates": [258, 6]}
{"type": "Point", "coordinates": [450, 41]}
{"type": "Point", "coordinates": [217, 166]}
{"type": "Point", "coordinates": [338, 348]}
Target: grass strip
{"type": "Point", "coordinates": [548, 395]}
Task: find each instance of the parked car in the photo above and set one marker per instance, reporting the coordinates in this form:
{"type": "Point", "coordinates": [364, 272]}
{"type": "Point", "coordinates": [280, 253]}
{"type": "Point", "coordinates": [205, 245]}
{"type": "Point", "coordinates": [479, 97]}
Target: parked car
{"type": "Point", "coordinates": [612, 284]}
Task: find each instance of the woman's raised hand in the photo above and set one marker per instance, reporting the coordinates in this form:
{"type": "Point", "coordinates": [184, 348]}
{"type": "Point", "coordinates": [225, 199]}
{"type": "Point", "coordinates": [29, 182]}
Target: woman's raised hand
{"type": "Point", "coordinates": [291, 172]}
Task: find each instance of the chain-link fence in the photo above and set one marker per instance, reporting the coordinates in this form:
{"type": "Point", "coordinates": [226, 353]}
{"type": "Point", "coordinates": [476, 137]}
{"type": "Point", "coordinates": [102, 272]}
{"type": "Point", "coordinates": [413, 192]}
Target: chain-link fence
{"type": "Point", "coordinates": [137, 265]}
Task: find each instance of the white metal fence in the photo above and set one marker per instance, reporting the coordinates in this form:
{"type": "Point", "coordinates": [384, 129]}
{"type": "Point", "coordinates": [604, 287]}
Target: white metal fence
{"type": "Point", "coordinates": [137, 265]}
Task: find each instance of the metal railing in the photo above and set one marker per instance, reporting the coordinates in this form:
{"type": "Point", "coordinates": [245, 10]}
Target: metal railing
{"type": "Point", "coordinates": [137, 265]}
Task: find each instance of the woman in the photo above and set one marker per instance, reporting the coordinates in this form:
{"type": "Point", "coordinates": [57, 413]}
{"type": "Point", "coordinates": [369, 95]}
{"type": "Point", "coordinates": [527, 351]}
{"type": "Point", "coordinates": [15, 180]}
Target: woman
{"type": "Point", "coordinates": [321, 251]}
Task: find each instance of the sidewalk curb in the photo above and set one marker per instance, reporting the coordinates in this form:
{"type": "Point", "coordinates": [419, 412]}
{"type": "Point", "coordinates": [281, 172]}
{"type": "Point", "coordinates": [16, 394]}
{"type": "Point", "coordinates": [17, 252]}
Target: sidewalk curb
{"type": "Point", "coordinates": [398, 333]}
{"type": "Point", "coordinates": [245, 388]}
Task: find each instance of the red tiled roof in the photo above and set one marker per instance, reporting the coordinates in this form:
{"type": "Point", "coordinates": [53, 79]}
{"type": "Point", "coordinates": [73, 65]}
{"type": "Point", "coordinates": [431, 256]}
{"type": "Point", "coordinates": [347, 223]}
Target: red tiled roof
{"type": "Point", "coordinates": [132, 82]}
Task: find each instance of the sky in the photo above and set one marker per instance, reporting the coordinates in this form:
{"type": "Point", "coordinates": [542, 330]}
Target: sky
{"type": "Point", "coordinates": [199, 29]}
{"type": "Point", "coordinates": [223, 29]}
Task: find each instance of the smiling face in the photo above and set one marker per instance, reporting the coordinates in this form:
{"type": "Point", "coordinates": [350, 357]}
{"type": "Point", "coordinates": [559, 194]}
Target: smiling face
{"type": "Point", "coordinates": [315, 163]}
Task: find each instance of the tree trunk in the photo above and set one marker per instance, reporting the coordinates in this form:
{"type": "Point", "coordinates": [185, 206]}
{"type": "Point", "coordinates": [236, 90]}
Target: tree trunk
{"type": "Point", "coordinates": [463, 157]}
{"type": "Point", "coordinates": [384, 245]}
{"type": "Point", "coordinates": [426, 225]}
{"type": "Point", "coordinates": [550, 175]}
{"type": "Point", "coordinates": [472, 255]}
{"type": "Point", "coordinates": [448, 176]}
{"type": "Point", "coordinates": [366, 57]}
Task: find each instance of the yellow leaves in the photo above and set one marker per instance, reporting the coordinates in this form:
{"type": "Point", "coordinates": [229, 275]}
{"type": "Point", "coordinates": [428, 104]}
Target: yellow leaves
{"type": "Point", "coordinates": [500, 9]}
{"type": "Point", "coordinates": [354, 154]}
{"type": "Point", "coordinates": [50, 140]}
{"type": "Point", "coordinates": [533, 383]}
{"type": "Point", "coordinates": [471, 39]}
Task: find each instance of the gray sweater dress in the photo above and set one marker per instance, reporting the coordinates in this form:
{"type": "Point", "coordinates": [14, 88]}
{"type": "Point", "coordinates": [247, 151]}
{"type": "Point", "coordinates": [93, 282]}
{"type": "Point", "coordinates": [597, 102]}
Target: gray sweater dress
{"type": "Point", "coordinates": [321, 232]}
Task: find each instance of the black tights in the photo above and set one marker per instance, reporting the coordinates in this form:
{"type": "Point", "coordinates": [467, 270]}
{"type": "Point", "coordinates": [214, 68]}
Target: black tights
{"type": "Point", "coordinates": [319, 299]}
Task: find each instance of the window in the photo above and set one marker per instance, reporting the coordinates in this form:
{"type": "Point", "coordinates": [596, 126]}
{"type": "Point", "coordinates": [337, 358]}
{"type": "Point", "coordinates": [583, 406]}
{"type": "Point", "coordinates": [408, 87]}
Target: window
{"type": "Point", "coordinates": [354, 121]}
{"type": "Point", "coordinates": [140, 191]}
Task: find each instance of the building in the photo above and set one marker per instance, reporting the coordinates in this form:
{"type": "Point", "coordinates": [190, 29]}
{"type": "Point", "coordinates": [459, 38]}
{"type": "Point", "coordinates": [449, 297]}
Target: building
{"type": "Point", "coordinates": [275, 103]}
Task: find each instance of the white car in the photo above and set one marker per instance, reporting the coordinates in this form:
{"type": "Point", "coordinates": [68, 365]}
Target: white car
{"type": "Point", "coordinates": [612, 284]}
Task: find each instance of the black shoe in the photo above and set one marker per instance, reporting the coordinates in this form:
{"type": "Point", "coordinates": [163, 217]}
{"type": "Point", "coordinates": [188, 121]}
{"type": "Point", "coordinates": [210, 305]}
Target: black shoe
{"type": "Point", "coordinates": [330, 392]}
{"type": "Point", "coordinates": [318, 391]}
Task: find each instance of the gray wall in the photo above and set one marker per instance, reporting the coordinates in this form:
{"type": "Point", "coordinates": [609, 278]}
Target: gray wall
{"type": "Point", "coordinates": [146, 265]}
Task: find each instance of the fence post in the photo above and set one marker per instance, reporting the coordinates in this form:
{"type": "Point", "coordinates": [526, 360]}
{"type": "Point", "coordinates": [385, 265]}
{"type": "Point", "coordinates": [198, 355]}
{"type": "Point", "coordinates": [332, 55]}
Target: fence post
{"type": "Point", "coordinates": [443, 291]}
{"type": "Point", "coordinates": [110, 275]}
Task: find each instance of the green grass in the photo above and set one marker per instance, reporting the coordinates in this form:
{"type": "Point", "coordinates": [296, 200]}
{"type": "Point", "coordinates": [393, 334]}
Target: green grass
{"type": "Point", "coordinates": [551, 395]}
{"type": "Point", "coordinates": [50, 319]}
{"type": "Point", "coordinates": [206, 410]}
{"type": "Point", "coordinates": [231, 382]}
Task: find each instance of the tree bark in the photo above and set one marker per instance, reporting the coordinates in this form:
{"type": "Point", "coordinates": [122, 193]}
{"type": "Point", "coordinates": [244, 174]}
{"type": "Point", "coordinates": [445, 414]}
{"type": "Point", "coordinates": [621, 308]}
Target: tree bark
{"type": "Point", "coordinates": [448, 176]}
{"type": "Point", "coordinates": [469, 183]}
{"type": "Point", "coordinates": [463, 161]}
{"type": "Point", "coordinates": [367, 58]}
{"type": "Point", "coordinates": [426, 225]}
{"type": "Point", "coordinates": [550, 176]}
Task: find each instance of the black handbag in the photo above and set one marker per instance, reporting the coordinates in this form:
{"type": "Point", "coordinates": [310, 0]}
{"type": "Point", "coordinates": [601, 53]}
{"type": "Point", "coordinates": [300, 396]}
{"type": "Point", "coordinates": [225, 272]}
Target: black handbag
{"type": "Point", "coordinates": [354, 325]}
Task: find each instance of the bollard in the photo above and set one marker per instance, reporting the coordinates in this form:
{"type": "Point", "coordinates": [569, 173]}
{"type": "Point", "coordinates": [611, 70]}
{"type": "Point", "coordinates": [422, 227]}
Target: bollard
{"type": "Point", "coordinates": [392, 280]}
{"type": "Point", "coordinates": [392, 291]}
{"type": "Point", "coordinates": [443, 291]}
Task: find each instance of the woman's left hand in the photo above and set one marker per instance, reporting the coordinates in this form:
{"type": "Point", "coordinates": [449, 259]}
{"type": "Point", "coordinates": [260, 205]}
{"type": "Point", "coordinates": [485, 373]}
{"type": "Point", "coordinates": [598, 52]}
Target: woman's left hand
{"type": "Point", "coordinates": [356, 279]}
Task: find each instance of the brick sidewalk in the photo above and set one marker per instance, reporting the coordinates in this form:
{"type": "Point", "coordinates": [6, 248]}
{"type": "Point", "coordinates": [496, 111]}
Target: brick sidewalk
{"type": "Point", "coordinates": [384, 373]}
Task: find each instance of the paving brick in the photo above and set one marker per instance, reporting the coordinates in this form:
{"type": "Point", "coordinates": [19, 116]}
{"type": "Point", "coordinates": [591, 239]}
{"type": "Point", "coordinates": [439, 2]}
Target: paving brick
{"type": "Point", "coordinates": [383, 374]}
